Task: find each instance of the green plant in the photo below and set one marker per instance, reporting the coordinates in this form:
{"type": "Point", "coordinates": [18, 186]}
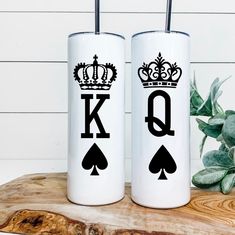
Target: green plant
{"type": "Point", "coordinates": [219, 172]}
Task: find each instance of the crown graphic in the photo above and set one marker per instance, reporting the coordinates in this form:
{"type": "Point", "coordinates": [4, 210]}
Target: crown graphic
{"type": "Point", "coordinates": [159, 73]}
{"type": "Point", "coordinates": [95, 76]}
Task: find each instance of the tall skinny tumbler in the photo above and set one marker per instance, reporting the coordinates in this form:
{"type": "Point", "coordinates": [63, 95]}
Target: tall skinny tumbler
{"type": "Point", "coordinates": [160, 119]}
{"type": "Point", "coordinates": [96, 118]}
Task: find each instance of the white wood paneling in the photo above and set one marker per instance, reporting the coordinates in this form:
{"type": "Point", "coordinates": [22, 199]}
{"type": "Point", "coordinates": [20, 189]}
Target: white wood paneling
{"type": "Point", "coordinates": [43, 36]}
{"type": "Point", "coordinates": [11, 169]}
{"type": "Point", "coordinates": [33, 87]}
{"type": "Point", "coordinates": [33, 136]}
{"type": "Point", "coordinates": [118, 6]}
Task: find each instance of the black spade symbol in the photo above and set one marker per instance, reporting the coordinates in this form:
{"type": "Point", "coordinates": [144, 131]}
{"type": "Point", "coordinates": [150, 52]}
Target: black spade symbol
{"type": "Point", "coordinates": [162, 161]}
{"type": "Point", "coordinates": [94, 158]}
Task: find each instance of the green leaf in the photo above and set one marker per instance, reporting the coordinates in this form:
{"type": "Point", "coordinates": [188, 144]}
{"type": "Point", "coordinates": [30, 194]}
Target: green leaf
{"type": "Point", "coordinates": [206, 108]}
{"type": "Point", "coordinates": [228, 131]}
{"type": "Point", "coordinates": [229, 112]}
{"type": "Point", "coordinates": [223, 147]}
{"type": "Point", "coordinates": [202, 144]}
{"type": "Point", "coordinates": [212, 187]}
{"type": "Point", "coordinates": [231, 152]}
{"type": "Point", "coordinates": [215, 187]}
{"type": "Point", "coordinates": [218, 119]}
{"type": "Point", "coordinates": [215, 93]}
{"type": "Point", "coordinates": [220, 138]}
{"type": "Point", "coordinates": [209, 176]}
{"type": "Point", "coordinates": [217, 158]}
{"type": "Point", "coordinates": [227, 183]}
{"type": "Point", "coordinates": [203, 186]}
{"type": "Point", "coordinates": [209, 106]}
{"type": "Point", "coordinates": [195, 99]}
{"type": "Point", "coordinates": [193, 110]}
{"type": "Point", "coordinates": [210, 130]}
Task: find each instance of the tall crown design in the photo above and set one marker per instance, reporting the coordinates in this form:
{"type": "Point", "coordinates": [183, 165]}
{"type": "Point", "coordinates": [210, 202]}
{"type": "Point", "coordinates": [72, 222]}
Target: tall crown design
{"type": "Point", "coordinates": [95, 76]}
{"type": "Point", "coordinates": [159, 73]}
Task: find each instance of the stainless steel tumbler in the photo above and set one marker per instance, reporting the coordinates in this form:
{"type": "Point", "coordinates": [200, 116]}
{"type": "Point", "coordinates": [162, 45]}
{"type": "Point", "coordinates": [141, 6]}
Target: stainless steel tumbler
{"type": "Point", "coordinates": [96, 118]}
{"type": "Point", "coordinates": [160, 119]}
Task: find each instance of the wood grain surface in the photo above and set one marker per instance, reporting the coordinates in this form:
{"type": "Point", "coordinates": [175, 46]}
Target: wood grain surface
{"type": "Point", "coordinates": [37, 204]}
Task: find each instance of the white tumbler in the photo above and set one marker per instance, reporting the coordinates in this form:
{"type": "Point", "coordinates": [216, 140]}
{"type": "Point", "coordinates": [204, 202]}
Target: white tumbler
{"type": "Point", "coordinates": [96, 118]}
{"type": "Point", "coordinates": [160, 119]}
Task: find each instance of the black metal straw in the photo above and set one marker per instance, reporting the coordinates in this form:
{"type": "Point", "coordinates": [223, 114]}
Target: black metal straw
{"type": "Point", "coordinates": [168, 16]}
{"type": "Point", "coordinates": [97, 16]}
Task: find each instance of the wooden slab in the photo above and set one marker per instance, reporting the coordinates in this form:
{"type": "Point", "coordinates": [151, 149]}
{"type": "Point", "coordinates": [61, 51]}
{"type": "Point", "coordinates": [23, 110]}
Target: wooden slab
{"type": "Point", "coordinates": [37, 204]}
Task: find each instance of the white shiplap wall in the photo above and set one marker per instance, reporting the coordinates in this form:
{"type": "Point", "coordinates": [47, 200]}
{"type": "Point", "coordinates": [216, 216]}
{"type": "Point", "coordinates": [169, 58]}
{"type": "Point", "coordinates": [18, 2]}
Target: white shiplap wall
{"type": "Point", "coordinates": [33, 76]}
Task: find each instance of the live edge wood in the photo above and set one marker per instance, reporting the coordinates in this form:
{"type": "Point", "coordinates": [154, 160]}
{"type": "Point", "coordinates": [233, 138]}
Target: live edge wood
{"type": "Point", "coordinates": [37, 204]}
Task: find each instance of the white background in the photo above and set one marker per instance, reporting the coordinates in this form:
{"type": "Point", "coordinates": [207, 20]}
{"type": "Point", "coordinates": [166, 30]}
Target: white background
{"type": "Point", "coordinates": [33, 69]}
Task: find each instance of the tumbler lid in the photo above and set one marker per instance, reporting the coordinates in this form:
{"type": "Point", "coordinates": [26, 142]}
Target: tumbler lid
{"type": "Point", "coordinates": [160, 31]}
{"type": "Point", "coordinates": [97, 34]}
